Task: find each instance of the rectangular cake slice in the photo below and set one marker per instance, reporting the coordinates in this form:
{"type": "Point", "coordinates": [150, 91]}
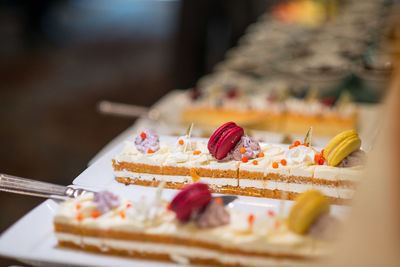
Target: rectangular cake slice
{"type": "Point", "coordinates": [149, 229]}
{"type": "Point", "coordinates": [277, 171]}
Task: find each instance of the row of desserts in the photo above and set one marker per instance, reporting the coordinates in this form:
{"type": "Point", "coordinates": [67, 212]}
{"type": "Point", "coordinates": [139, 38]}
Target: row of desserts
{"type": "Point", "coordinates": [251, 169]}
{"type": "Point", "coordinates": [272, 112]}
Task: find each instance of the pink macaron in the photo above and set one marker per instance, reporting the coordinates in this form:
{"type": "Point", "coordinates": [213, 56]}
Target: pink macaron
{"type": "Point", "coordinates": [227, 142]}
{"type": "Point", "coordinates": [191, 199]}
{"type": "Point", "coordinates": [224, 140]}
{"type": "Point", "coordinates": [217, 134]}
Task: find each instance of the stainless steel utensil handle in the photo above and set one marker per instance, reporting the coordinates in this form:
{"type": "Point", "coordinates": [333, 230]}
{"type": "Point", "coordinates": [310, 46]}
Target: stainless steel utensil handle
{"type": "Point", "coordinates": [120, 109]}
{"type": "Point", "coordinates": [14, 184]}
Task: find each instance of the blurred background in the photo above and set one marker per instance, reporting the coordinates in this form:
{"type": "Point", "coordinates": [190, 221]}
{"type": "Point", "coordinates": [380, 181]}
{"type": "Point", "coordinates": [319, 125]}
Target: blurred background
{"type": "Point", "coordinates": [59, 58]}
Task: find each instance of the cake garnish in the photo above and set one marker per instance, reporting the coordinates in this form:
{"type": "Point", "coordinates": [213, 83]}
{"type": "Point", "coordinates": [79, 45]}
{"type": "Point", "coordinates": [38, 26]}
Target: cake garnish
{"type": "Point", "coordinates": [319, 158]}
{"type": "Point", "coordinates": [271, 213]}
{"type": "Point", "coordinates": [214, 215]}
{"type": "Point", "coordinates": [147, 142]}
{"type": "Point", "coordinates": [184, 142]}
{"type": "Point", "coordinates": [224, 139]}
{"type": "Point", "coordinates": [299, 155]}
{"type": "Point", "coordinates": [308, 137]}
{"type": "Point", "coordinates": [195, 203]}
{"type": "Point", "coordinates": [324, 227]}
{"type": "Point", "coordinates": [228, 142]}
{"type": "Point", "coordinates": [147, 209]}
{"type": "Point", "coordinates": [190, 201]}
{"type": "Point", "coordinates": [308, 207]}
{"type": "Point", "coordinates": [193, 173]}
{"type": "Point", "coordinates": [355, 158]}
{"type": "Point", "coordinates": [250, 220]}
{"type": "Point", "coordinates": [195, 93]}
{"type": "Point", "coordinates": [247, 148]}
{"type": "Point", "coordinates": [341, 146]}
{"type": "Point", "coordinates": [106, 201]}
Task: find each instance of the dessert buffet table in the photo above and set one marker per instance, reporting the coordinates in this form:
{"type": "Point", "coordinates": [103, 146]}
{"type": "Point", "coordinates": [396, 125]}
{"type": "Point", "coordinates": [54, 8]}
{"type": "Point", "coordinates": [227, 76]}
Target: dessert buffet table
{"type": "Point", "coordinates": [132, 206]}
{"type": "Point", "coordinates": [170, 123]}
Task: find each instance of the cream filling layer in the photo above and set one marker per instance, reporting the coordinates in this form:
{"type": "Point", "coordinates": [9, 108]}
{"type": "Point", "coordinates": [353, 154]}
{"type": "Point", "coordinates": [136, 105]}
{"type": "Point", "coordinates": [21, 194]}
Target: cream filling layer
{"type": "Point", "coordinates": [177, 179]}
{"type": "Point", "coordinates": [331, 191]}
{"type": "Point", "coordinates": [178, 253]}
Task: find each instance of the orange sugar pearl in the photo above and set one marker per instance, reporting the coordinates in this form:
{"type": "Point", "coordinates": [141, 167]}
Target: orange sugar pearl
{"type": "Point", "coordinates": [275, 165]}
{"type": "Point", "coordinates": [79, 217]}
{"type": "Point", "coordinates": [296, 143]}
{"type": "Point", "coordinates": [95, 214]}
{"type": "Point", "coordinates": [78, 206]}
{"type": "Point", "coordinates": [250, 219]}
{"type": "Point", "coordinates": [283, 162]}
{"type": "Point", "coordinates": [242, 150]}
{"type": "Point", "coordinates": [150, 151]}
{"type": "Point", "coordinates": [304, 144]}
{"type": "Point", "coordinates": [255, 162]}
{"type": "Point", "coordinates": [143, 135]}
{"type": "Point", "coordinates": [271, 213]}
{"type": "Point", "coordinates": [122, 214]}
{"type": "Point", "coordinates": [181, 142]}
{"type": "Point", "coordinates": [245, 159]}
{"type": "Point", "coordinates": [128, 205]}
{"type": "Point", "coordinates": [197, 152]}
{"type": "Point", "coordinates": [261, 154]}
{"type": "Point", "coordinates": [218, 200]}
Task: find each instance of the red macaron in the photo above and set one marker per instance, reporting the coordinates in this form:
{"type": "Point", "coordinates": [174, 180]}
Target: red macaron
{"type": "Point", "coordinates": [192, 198]}
{"type": "Point", "coordinates": [224, 139]}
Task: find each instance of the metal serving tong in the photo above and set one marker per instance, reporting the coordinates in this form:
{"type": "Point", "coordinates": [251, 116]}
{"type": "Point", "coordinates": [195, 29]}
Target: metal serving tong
{"type": "Point", "coordinates": [127, 110]}
{"type": "Point", "coordinates": [23, 186]}
{"type": "Point", "coordinates": [18, 185]}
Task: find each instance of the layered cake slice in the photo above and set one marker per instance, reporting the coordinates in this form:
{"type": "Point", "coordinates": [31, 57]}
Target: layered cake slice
{"type": "Point", "coordinates": [196, 228]}
{"type": "Point", "coordinates": [232, 162]}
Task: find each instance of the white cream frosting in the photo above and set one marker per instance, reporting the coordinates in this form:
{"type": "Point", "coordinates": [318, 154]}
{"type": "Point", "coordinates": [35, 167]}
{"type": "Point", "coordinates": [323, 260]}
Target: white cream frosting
{"type": "Point", "coordinates": [147, 210]}
{"type": "Point", "coordinates": [131, 154]}
{"type": "Point", "coordinates": [299, 155]}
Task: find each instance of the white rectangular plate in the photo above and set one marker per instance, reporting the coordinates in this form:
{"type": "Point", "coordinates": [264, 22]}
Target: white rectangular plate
{"type": "Point", "coordinates": [32, 240]}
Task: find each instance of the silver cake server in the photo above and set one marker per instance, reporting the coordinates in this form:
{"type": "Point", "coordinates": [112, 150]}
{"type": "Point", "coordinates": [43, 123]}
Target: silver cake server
{"type": "Point", "coordinates": [18, 185]}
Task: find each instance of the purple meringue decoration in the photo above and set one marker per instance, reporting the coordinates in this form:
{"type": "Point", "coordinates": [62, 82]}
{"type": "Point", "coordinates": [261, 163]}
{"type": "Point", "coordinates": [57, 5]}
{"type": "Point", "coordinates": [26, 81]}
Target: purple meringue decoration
{"type": "Point", "coordinates": [214, 215]}
{"type": "Point", "coordinates": [106, 201]}
{"type": "Point", "coordinates": [356, 158]}
{"type": "Point", "coordinates": [251, 146]}
{"type": "Point", "coordinates": [150, 142]}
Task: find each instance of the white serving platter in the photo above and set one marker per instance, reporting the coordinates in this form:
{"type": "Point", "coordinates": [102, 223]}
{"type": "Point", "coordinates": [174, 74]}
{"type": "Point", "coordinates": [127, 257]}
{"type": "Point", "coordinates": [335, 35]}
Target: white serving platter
{"type": "Point", "coordinates": [31, 239]}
